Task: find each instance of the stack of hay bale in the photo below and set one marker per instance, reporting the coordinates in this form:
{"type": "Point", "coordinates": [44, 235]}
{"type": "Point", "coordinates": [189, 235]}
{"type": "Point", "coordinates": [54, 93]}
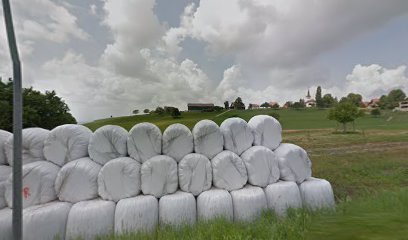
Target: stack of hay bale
{"type": "Point", "coordinates": [79, 184]}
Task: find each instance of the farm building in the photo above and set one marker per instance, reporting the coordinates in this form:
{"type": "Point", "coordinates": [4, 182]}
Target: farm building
{"type": "Point", "coordinates": [403, 106]}
{"type": "Point", "coordinates": [200, 107]}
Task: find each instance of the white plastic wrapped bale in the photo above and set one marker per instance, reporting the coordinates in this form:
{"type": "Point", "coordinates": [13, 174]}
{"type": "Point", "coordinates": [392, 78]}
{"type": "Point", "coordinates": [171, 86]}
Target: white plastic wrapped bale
{"type": "Point", "coordinates": [4, 135]}
{"type": "Point", "coordinates": [38, 184]}
{"type": "Point", "coordinates": [138, 214]}
{"type": "Point", "coordinates": [46, 221]}
{"type": "Point", "coordinates": [237, 135]}
{"type": "Point", "coordinates": [66, 143]}
{"type": "Point", "coordinates": [177, 141]}
{"type": "Point", "coordinates": [317, 194]}
{"type": "Point", "coordinates": [229, 171]}
{"type": "Point", "coordinates": [6, 227]}
{"type": "Point", "coordinates": [195, 173]}
{"type": "Point", "coordinates": [3, 202]}
{"type": "Point", "coordinates": [144, 142]}
{"type": "Point", "coordinates": [177, 209]}
{"type": "Point", "coordinates": [107, 143]}
{"type": "Point", "coordinates": [5, 171]}
{"type": "Point", "coordinates": [262, 166]}
{"type": "Point", "coordinates": [294, 163]}
{"type": "Point", "coordinates": [249, 203]}
{"type": "Point", "coordinates": [90, 219]}
{"type": "Point", "coordinates": [159, 176]}
{"type": "Point", "coordinates": [32, 145]}
{"type": "Point", "coordinates": [208, 139]}
{"type": "Point", "coordinates": [215, 203]}
{"type": "Point", "coordinates": [267, 131]}
{"type": "Point", "coordinates": [119, 178]}
{"type": "Point", "coordinates": [78, 180]}
{"type": "Point", "coordinates": [283, 195]}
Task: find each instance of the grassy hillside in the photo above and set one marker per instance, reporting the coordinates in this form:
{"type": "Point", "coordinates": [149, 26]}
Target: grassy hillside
{"type": "Point", "coordinates": [289, 118]}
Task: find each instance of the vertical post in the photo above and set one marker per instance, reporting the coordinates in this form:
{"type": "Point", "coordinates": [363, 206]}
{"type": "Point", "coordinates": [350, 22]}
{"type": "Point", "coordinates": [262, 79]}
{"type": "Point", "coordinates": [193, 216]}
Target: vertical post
{"type": "Point", "coordinates": [17, 124]}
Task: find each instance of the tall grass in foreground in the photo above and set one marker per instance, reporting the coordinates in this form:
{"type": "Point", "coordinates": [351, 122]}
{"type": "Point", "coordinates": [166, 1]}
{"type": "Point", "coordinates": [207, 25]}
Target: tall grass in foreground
{"type": "Point", "coordinates": [383, 216]}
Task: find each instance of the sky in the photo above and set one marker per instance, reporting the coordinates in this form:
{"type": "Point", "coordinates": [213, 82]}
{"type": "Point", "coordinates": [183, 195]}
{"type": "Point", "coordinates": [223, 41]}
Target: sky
{"type": "Point", "coordinates": [106, 58]}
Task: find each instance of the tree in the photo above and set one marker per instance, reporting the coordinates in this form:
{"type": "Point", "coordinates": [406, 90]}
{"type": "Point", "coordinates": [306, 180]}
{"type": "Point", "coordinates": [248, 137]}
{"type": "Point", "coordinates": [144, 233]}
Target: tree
{"type": "Point", "coordinates": [226, 105]}
{"type": "Point", "coordinates": [175, 113]}
{"type": "Point", "coordinates": [45, 110]}
{"type": "Point", "coordinates": [345, 112]}
{"type": "Point", "coordinates": [375, 112]}
{"type": "Point", "coordinates": [300, 104]}
{"type": "Point", "coordinates": [218, 108]}
{"type": "Point", "coordinates": [328, 101]}
{"type": "Point", "coordinates": [136, 111]}
{"type": "Point", "coordinates": [238, 104]}
{"type": "Point", "coordinates": [146, 110]}
{"type": "Point", "coordinates": [159, 111]}
{"type": "Point", "coordinates": [354, 98]}
{"type": "Point", "coordinates": [391, 101]}
{"type": "Point", "coordinates": [275, 106]}
{"type": "Point", "coordinates": [319, 100]}
{"type": "Point", "coordinates": [265, 105]}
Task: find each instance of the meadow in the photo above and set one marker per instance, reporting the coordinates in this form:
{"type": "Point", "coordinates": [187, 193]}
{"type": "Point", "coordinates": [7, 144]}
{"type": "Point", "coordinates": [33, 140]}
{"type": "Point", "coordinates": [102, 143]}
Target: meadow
{"type": "Point", "coordinates": [368, 170]}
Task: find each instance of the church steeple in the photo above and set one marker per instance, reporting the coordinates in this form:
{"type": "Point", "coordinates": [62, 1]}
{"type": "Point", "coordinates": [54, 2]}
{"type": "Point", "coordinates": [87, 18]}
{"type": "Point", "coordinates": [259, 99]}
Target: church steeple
{"type": "Point", "coordinates": [308, 94]}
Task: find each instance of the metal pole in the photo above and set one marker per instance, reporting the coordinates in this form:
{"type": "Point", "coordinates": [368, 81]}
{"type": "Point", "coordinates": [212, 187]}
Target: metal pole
{"type": "Point", "coordinates": [17, 124]}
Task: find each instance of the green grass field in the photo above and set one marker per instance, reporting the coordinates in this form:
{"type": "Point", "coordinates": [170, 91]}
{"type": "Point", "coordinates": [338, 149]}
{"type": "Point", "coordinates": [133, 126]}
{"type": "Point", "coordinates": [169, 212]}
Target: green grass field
{"type": "Point", "coordinates": [368, 171]}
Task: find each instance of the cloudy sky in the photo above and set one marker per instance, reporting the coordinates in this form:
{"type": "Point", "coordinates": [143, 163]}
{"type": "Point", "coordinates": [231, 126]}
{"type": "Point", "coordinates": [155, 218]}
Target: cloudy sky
{"type": "Point", "coordinates": [108, 57]}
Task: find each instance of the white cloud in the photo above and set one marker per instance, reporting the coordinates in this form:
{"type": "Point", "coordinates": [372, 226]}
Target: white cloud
{"type": "Point", "coordinates": [374, 80]}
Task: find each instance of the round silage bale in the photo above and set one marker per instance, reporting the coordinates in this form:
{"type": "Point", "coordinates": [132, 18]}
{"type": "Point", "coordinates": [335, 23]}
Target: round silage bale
{"type": "Point", "coordinates": [3, 202]}
{"type": "Point", "coordinates": [38, 184]}
{"type": "Point", "coordinates": [4, 135]}
{"type": "Point", "coordinates": [159, 176]}
{"type": "Point", "coordinates": [144, 141]}
{"type": "Point", "coordinates": [215, 203]}
{"type": "Point", "coordinates": [283, 195]}
{"type": "Point", "coordinates": [78, 180]}
{"type": "Point", "coordinates": [294, 163]}
{"type": "Point", "coordinates": [208, 139]}
{"type": "Point", "coordinates": [249, 203]}
{"type": "Point", "coordinates": [229, 171]}
{"type": "Point", "coordinates": [262, 166]}
{"type": "Point", "coordinates": [237, 135]}
{"type": "Point", "coordinates": [317, 194]}
{"type": "Point", "coordinates": [119, 178]}
{"type": "Point", "coordinates": [32, 145]}
{"type": "Point", "coordinates": [90, 219]}
{"type": "Point", "coordinates": [137, 214]}
{"type": "Point", "coordinates": [107, 143]}
{"type": "Point", "coordinates": [195, 173]}
{"type": "Point", "coordinates": [177, 141]}
{"type": "Point", "coordinates": [46, 221]}
{"type": "Point", "coordinates": [5, 171]}
{"type": "Point", "coordinates": [177, 209]}
{"type": "Point", "coordinates": [6, 224]}
{"type": "Point", "coordinates": [66, 143]}
{"type": "Point", "coordinates": [267, 131]}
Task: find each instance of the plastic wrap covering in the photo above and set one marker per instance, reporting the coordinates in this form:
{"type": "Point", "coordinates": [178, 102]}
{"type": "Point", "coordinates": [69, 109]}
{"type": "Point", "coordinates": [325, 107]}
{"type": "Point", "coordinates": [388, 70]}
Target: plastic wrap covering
{"type": "Point", "coordinates": [283, 195]}
{"type": "Point", "coordinates": [138, 214]}
{"type": "Point", "coordinates": [294, 163]}
{"type": "Point", "coordinates": [32, 145]}
{"type": "Point", "coordinates": [119, 178]}
{"type": "Point", "coordinates": [4, 135]}
{"type": "Point", "coordinates": [195, 173]}
{"type": "Point", "coordinates": [177, 209]}
{"type": "Point", "coordinates": [38, 184]}
{"type": "Point", "coordinates": [6, 225]}
{"type": "Point", "coordinates": [3, 202]}
{"type": "Point", "coordinates": [262, 166]}
{"type": "Point", "coordinates": [90, 219]}
{"type": "Point", "coordinates": [237, 135]}
{"type": "Point", "coordinates": [66, 143]}
{"type": "Point", "coordinates": [316, 194]}
{"type": "Point", "coordinates": [107, 143]}
{"type": "Point", "coordinates": [177, 141]}
{"type": "Point", "coordinates": [159, 176]}
{"type": "Point", "coordinates": [46, 221]}
{"type": "Point", "coordinates": [5, 171]}
{"type": "Point", "coordinates": [208, 139]}
{"type": "Point", "coordinates": [248, 202]}
{"type": "Point", "coordinates": [229, 171]}
{"type": "Point", "coordinates": [267, 131]}
{"type": "Point", "coordinates": [144, 142]}
{"type": "Point", "coordinates": [215, 203]}
{"type": "Point", "coordinates": [78, 180]}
